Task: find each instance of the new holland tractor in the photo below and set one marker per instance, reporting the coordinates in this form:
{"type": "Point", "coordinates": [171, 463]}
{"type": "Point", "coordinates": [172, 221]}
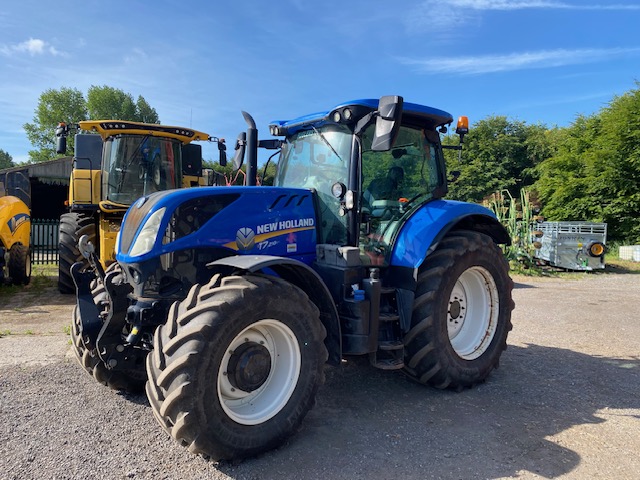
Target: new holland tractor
{"type": "Point", "coordinates": [119, 163]}
{"type": "Point", "coordinates": [228, 303]}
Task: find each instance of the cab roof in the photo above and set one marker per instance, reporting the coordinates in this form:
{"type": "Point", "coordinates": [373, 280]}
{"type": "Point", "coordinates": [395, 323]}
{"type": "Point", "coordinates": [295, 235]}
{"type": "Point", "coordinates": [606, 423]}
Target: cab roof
{"type": "Point", "coordinates": [413, 113]}
{"type": "Point", "coordinates": [108, 128]}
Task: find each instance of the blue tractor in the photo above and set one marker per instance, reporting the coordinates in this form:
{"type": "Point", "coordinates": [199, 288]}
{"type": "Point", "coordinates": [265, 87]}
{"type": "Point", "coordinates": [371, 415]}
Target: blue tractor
{"type": "Point", "coordinates": [226, 303]}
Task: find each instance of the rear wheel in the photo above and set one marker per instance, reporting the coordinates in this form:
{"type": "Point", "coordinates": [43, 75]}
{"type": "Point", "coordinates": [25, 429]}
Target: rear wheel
{"type": "Point", "coordinates": [19, 264]}
{"type": "Point", "coordinates": [72, 227]}
{"type": "Point", "coordinates": [462, 313]}
{"type": "Point", "coordinates": [237, 366]}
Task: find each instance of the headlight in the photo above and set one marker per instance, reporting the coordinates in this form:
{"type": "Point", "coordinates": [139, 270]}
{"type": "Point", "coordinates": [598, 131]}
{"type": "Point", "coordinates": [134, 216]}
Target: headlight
{"type": "Point", "coordinates": [148, 234]}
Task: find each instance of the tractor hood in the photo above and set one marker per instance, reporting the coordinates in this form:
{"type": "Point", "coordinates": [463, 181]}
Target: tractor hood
{"type": "Point", "coordinates": [257, 220]}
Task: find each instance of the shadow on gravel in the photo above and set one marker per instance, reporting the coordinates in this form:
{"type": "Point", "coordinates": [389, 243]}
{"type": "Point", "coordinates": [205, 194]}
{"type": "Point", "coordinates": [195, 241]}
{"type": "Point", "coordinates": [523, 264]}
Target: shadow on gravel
{"type": "Point", "coordinates": [372, 424]}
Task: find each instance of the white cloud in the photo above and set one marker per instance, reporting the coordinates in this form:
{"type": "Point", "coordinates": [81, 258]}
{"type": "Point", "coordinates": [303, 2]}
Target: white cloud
{"type": "Point", "coordinates": [33, 47]}
{"type": "Point", "coordinates": [530, 4]}
{"type": "Point", "coordinates": [445, 15]}
{"type": "Point", "coordinates": [135, 56]}
{"type": "Point", "coordinates": [515, 61]}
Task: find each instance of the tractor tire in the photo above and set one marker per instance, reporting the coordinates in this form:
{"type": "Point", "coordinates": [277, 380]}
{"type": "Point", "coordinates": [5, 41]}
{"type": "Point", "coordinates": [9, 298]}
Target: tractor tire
{"type": "Point", "coordinates": [72, 227]}
{"type": "Point", "coordinates": [19, 264]}
{"type": "Point", "coordinates": [237, 366]}
{"type": "Point", "coordinates": [129, 380]}
{"type": "Point", "coordinates": [462, 313]}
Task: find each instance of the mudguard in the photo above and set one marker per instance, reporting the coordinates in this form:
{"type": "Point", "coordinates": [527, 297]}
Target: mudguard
{"type": "Point", "coordinates": [420, 234]}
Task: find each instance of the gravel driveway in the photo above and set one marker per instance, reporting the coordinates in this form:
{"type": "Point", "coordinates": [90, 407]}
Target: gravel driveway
{"type": "Point", "coordinates": [565, 403]}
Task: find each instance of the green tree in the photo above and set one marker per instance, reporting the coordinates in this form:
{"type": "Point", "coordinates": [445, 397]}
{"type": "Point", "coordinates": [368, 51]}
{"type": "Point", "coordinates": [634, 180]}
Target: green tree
{"type": "Point", "coordinates": [595, 173]}
{"type": "Point", "coordinates": [145, 113]}
{"type": "Point", "coordinates": [54, 106]}
{"type": "Point", "coordinates": [499, 154]}
{"type": "Point", "coordinates": [108, 103]}
{"type": "Point", "coordinates": [6, 160]}
{"type": "Point", "coordinates": [69, 105]}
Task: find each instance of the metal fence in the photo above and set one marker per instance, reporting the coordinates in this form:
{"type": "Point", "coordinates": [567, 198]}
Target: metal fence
{"type": "Point", "coordinates": [44, 241]}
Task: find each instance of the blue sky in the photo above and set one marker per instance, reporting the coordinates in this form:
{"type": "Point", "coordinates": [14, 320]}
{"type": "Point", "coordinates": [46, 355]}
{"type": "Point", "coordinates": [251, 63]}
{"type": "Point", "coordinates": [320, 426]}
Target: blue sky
{"type": "Point", "coordinates": [200, 63]}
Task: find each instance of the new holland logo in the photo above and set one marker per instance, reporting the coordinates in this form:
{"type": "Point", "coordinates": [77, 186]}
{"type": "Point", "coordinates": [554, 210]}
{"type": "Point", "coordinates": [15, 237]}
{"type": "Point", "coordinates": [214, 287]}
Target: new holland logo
{"type": "Point", "coordinates": [245, 239]}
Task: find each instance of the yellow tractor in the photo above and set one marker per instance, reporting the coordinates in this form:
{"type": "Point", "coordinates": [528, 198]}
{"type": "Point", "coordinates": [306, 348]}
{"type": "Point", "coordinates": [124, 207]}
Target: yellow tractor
{"type": "Point", "coordinates": [15, 230]}
{"type": "Point", "coordinates": [115, 163]}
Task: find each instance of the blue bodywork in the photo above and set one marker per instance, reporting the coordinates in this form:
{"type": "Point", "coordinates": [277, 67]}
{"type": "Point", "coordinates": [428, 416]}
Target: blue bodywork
{"type": "Point", "coordinates": [282, 222]}
{"type": "Point", "coordinates": [262, 220]}
{"type": "Point", "coordinates": [427, 226]}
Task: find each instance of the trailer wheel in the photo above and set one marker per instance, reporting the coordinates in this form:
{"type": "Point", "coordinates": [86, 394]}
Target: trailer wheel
{"type": "Point", "coordinates": [462, 313]}
{"type": "Point", "coordinates": [19, 264]}
{"type": "Point", "coordinates": [129, 380]}
{"type": "Point", "coordinates": [72, 227]}
{"type": "Point", "coordinates": [237, 366]}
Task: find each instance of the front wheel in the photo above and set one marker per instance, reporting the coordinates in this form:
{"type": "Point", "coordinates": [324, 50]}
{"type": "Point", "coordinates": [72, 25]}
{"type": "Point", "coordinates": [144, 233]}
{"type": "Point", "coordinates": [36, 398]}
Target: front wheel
{"type": "Point", "coordinates": [19, 264]}
{"type": "Point", "coordinates": [237, 366]}
{"type": "Point", "coordinates": [462, 313]}
{"type": "Point", "coordinates": [72, 226]}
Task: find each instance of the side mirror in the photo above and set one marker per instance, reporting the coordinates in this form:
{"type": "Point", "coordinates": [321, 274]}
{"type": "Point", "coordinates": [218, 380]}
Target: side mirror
{"type": "Point", "coordinates": [387, 122]}
{"type": "Point", "coordinates": [271, 144]}
{"type": "Point", "coordinates": [241, 144]}
{"type": "Point", "coordinates": [61, 145]}
{"type": "Point", "coordinates": [222, 150]}
{"type": "Point", "coordinates": [61, 138]}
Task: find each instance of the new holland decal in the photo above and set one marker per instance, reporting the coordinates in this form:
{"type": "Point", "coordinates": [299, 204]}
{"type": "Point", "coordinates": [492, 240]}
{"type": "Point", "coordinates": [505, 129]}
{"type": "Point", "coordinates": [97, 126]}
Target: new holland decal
{"type": "Point", "coordinates": [17, 220]}
{"type": "Point", "coordinates": [264, 235]}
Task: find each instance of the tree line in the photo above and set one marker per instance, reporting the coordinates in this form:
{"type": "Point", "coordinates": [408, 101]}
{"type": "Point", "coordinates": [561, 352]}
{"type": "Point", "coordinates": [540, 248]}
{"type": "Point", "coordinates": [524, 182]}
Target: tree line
{"type": "Point", "coordinates": [69, 105]}
{"type": "Point", "coordinates": [588, 171]}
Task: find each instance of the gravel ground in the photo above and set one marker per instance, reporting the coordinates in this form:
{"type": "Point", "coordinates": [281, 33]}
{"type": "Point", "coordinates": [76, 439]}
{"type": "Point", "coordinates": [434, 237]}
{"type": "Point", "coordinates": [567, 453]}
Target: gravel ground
{"type": "Point", "coordinates": [565, 403]}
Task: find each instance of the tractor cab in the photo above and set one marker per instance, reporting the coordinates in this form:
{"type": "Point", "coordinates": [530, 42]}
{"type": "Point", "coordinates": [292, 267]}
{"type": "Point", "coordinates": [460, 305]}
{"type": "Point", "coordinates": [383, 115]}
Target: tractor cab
{"type": "Point", "coordinates": [369, 173]}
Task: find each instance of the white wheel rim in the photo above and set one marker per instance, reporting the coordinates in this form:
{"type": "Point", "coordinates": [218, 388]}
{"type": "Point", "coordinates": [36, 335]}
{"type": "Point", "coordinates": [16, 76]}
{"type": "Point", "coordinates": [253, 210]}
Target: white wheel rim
{"type": "Point", "coordinates": [472, 316]}
{"type": "Point", "coordinates": [258, 406]}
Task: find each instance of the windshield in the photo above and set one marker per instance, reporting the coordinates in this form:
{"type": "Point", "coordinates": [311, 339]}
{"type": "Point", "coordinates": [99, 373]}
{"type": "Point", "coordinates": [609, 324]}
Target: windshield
{"type": "Point", "coordinates": [136, 165]}
{"type": "Point", "coordinates": [317, 158]}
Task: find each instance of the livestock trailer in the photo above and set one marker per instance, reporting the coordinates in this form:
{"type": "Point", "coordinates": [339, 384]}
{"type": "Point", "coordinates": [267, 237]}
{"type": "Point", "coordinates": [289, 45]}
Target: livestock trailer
{"type": "Point", "coordinates": [571, 245]}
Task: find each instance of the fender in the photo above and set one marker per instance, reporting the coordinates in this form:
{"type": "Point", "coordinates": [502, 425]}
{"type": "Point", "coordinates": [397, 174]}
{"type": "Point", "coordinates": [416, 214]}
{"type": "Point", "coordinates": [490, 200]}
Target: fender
{"type": "Point", "coordinates": [421, 233]}
{"type": "Point", "coordinates": [302, 276]}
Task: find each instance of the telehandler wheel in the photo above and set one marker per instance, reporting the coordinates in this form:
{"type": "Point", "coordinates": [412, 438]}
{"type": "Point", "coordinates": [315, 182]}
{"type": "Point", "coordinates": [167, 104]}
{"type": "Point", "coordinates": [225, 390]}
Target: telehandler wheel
{"type": "Point", "coordinates": [19, 264]}
{"type": "Point", "coordinates": [237, 366]}
{"type": "Point", "coordinates": [72, 227]}
{"type": "Point", "coordinates": [129, 380]}
{"type": "Point", "coordinates": [462, 313]}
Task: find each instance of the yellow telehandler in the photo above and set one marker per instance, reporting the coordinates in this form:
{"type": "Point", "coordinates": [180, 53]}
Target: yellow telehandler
{"type": "Point", "coordinates": [115, 163]}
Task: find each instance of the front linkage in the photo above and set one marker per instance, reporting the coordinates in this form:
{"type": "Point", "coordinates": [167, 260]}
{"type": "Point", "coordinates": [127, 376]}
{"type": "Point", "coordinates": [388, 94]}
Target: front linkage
{"type": "Point", "coordinates": [113, 350]}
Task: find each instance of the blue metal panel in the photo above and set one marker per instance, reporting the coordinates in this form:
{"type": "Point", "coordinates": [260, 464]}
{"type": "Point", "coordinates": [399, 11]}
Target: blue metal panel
{"type": "Point", "coordinates": [417, 235]}
{"type": "Point", "coordinates": [263, 220]}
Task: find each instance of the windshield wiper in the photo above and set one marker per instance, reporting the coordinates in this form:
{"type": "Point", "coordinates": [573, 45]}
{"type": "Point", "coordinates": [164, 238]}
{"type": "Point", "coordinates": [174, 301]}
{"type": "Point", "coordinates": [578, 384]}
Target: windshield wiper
{"type": "Point", "coordinates": [326, 142]}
